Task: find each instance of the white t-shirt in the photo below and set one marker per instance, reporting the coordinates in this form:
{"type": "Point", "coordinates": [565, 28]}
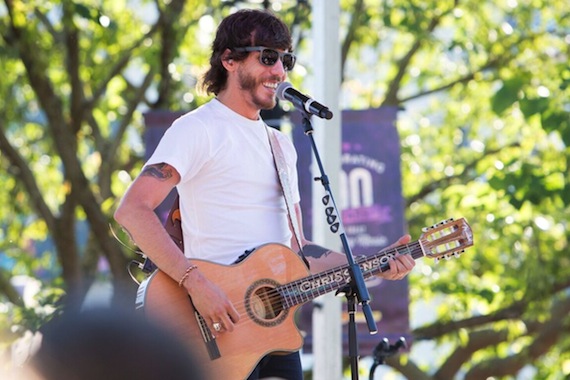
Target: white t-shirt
{"type": "Point", "coordinates": [230, 196]}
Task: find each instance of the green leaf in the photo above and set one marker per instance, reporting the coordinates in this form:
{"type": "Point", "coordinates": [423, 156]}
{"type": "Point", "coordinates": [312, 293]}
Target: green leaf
{"type": "Point", "coordinates": [531, 107]}
{"type": "Point", "coordinates": [85, 12]}
{"type": "Point", "coordinates": [557, 121]}
{"type": "Point", "coordinates": [507, 95]}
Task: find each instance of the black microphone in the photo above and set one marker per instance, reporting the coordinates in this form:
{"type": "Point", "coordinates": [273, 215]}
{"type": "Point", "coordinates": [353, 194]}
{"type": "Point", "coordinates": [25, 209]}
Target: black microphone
{"type": "Point", "coordinates": [285, 91]}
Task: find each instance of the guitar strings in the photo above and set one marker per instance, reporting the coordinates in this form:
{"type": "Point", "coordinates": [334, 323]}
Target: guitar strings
{"type": "Point", "coordinates": [414, 248]}
{"type": "Point", "coordinates": [294, 296]}
{"type": "Point", "coordinates": [281, 298]}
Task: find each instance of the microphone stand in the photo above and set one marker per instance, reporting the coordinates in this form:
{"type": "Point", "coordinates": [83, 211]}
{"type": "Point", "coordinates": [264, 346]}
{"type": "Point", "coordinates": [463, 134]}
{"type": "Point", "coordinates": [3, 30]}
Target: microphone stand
{"type": "Point", "coordinates": [356, 289]}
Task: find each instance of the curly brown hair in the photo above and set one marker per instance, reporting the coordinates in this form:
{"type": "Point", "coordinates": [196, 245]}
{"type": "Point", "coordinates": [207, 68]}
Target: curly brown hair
{"type": "Point", "coordinates": [246, 27]}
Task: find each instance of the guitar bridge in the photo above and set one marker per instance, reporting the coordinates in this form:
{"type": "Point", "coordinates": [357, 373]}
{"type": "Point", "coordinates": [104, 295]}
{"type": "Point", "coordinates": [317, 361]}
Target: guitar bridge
{"type": "Point", "coordinates": [209, 338]}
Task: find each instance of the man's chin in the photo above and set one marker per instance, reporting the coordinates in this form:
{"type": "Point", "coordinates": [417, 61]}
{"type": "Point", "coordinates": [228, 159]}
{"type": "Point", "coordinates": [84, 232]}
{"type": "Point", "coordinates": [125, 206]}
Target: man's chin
{"type": "Point", "coordinates": [268, 105]}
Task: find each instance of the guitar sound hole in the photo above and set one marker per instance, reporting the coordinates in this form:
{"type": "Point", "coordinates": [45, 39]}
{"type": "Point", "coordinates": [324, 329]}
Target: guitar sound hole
{"type": "Point", "coordinates": [264, 303]}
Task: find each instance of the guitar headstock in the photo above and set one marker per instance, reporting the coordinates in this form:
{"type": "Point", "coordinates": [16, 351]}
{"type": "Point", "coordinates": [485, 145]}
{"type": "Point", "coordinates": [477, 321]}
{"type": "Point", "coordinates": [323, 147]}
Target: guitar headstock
{"type": "Point", "coordinates": [446, 239]}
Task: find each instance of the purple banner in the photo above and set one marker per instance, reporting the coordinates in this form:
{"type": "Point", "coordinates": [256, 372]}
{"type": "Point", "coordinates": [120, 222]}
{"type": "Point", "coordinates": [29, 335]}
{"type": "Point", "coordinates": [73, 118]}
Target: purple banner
{"type": "Point", "coordinates": [372, 212]}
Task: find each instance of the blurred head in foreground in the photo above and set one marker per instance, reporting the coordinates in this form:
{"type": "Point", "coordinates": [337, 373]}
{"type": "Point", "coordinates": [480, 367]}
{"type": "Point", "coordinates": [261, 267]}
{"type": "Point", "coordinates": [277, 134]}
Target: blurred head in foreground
{"type": "Point", "coordinates": [110, 344]}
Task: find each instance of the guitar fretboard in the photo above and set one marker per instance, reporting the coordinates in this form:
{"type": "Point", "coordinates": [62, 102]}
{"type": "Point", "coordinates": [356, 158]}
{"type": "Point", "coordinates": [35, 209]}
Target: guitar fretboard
{"type": "Point", "coordinates": [311, 287]}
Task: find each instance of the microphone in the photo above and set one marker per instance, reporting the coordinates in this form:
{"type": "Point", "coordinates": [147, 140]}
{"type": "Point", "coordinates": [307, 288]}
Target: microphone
{"type": "Point", "coordinates": [285, 91]}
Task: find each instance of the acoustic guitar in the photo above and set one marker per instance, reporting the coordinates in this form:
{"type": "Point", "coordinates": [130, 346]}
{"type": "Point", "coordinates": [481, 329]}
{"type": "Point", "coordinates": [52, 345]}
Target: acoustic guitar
{"type": "Point", "coordinates": [266, 288]}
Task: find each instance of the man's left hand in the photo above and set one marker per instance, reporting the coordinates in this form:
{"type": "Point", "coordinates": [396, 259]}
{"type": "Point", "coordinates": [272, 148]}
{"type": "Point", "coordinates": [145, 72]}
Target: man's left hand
{"type": "Point", "coordinates": [400, 265]}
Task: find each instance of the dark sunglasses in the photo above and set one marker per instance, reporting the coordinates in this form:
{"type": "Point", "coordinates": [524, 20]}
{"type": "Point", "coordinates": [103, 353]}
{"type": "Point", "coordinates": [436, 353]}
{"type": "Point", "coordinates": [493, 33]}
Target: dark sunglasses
{"type": "Point", "coordinates": [269, 57]}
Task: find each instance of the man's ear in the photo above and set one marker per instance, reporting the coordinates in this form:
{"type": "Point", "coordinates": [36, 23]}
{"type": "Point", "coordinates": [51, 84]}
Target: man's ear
{"type": "Point", "coordinates": [227, 61]}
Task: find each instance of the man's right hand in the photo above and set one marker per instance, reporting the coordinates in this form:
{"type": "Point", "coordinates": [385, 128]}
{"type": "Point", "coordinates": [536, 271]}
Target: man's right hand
{"type": "Point", "coordinates": [211, 302]}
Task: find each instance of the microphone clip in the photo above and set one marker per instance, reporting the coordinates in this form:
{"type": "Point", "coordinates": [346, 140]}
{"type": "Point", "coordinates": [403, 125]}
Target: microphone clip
{"type": "Point", "coordinates": [384, 349]}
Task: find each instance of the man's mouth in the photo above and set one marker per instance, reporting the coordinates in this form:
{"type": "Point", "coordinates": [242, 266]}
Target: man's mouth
{"type": "Point", "coordinates": [271, 85]}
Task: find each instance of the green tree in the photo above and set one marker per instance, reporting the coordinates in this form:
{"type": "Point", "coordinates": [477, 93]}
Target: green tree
{"type": "Point", "coordinates": [78, 75]}
{"type": "Point", "coordinates": [485, 135]}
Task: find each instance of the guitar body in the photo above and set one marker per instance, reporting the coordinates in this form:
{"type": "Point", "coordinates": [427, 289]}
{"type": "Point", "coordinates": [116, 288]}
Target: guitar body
{"type": "Point", "coordinates": [265, 325]}
{"type": "Point", "coordinates": [266, 289]}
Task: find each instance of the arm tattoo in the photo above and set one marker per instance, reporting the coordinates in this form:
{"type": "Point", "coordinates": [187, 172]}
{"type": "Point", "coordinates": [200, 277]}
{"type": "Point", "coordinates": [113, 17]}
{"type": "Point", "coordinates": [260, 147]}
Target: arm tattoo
{"type": "Point", "coordinates": [160, 171]}
{"type": "Point", "coordinates": [313, 250]}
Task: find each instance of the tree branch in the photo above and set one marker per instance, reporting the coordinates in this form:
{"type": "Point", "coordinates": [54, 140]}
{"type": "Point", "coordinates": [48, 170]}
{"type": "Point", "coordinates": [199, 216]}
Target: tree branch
{"type": "Point", "coordinates": [109, 153]}
{"type": "Point", "coordinates": [466, 78]}
{"type": "Point", "coordinates": [71, 37]}
{"type": "Point", "coordinates": [446, 181]}
{"type": "Point", "coordinates": [404, 62]}
{"type": "Point", "coordinates": [477, 341]}
{"type": "Point", "coordinates": [48, 25]}
{"type": "Point", "coordinates": [169, 42]}
{"type": "Point", "coordinates": [407, 368]}
{"type": "Point", "coordinates": [513, 311]}
{"type": "Point", "coordinates": [358, 10]}
{"type": "Point", "coordinates": [21, 170]}
{"type": "Point", "coordinates": [547, 336]}
{"type": "Point", "coordinates": [66, 145]}
{"type": "Point", "coordinates": [116, 68]}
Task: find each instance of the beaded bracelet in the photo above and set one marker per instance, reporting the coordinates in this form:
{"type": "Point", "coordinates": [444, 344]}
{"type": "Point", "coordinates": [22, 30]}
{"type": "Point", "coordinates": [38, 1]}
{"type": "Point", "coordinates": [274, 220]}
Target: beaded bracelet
{"type": "Point", "coordinates": [186, 274]}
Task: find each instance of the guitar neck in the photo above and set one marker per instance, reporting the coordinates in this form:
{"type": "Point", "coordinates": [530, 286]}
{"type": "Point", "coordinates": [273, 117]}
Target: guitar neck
{"type": "Point", "coordinates": [311, 287]}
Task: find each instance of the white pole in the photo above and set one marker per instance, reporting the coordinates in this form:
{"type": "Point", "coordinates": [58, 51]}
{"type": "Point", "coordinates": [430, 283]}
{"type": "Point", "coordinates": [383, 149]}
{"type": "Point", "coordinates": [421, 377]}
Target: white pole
{"type": "Point", "coordinates": [327, 334]}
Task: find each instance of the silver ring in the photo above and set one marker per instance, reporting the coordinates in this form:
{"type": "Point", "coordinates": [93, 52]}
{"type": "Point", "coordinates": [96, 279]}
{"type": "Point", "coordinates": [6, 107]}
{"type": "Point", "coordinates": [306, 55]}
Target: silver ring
{"type": "Point", "coordinates": [217, 326]}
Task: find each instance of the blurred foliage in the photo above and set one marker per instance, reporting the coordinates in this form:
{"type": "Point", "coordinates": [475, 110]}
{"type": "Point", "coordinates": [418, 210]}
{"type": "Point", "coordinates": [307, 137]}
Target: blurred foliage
{"type": "Point", "coordinates": [485, 131]}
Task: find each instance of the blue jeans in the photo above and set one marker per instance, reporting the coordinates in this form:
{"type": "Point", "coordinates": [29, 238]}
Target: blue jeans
{"type": "Point", "coordinates": [284, 366]}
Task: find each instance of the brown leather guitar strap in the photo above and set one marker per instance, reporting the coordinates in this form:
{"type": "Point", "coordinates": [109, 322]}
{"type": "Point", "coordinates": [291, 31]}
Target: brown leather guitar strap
{"type": "Point", "coordinates": [283, 175]}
